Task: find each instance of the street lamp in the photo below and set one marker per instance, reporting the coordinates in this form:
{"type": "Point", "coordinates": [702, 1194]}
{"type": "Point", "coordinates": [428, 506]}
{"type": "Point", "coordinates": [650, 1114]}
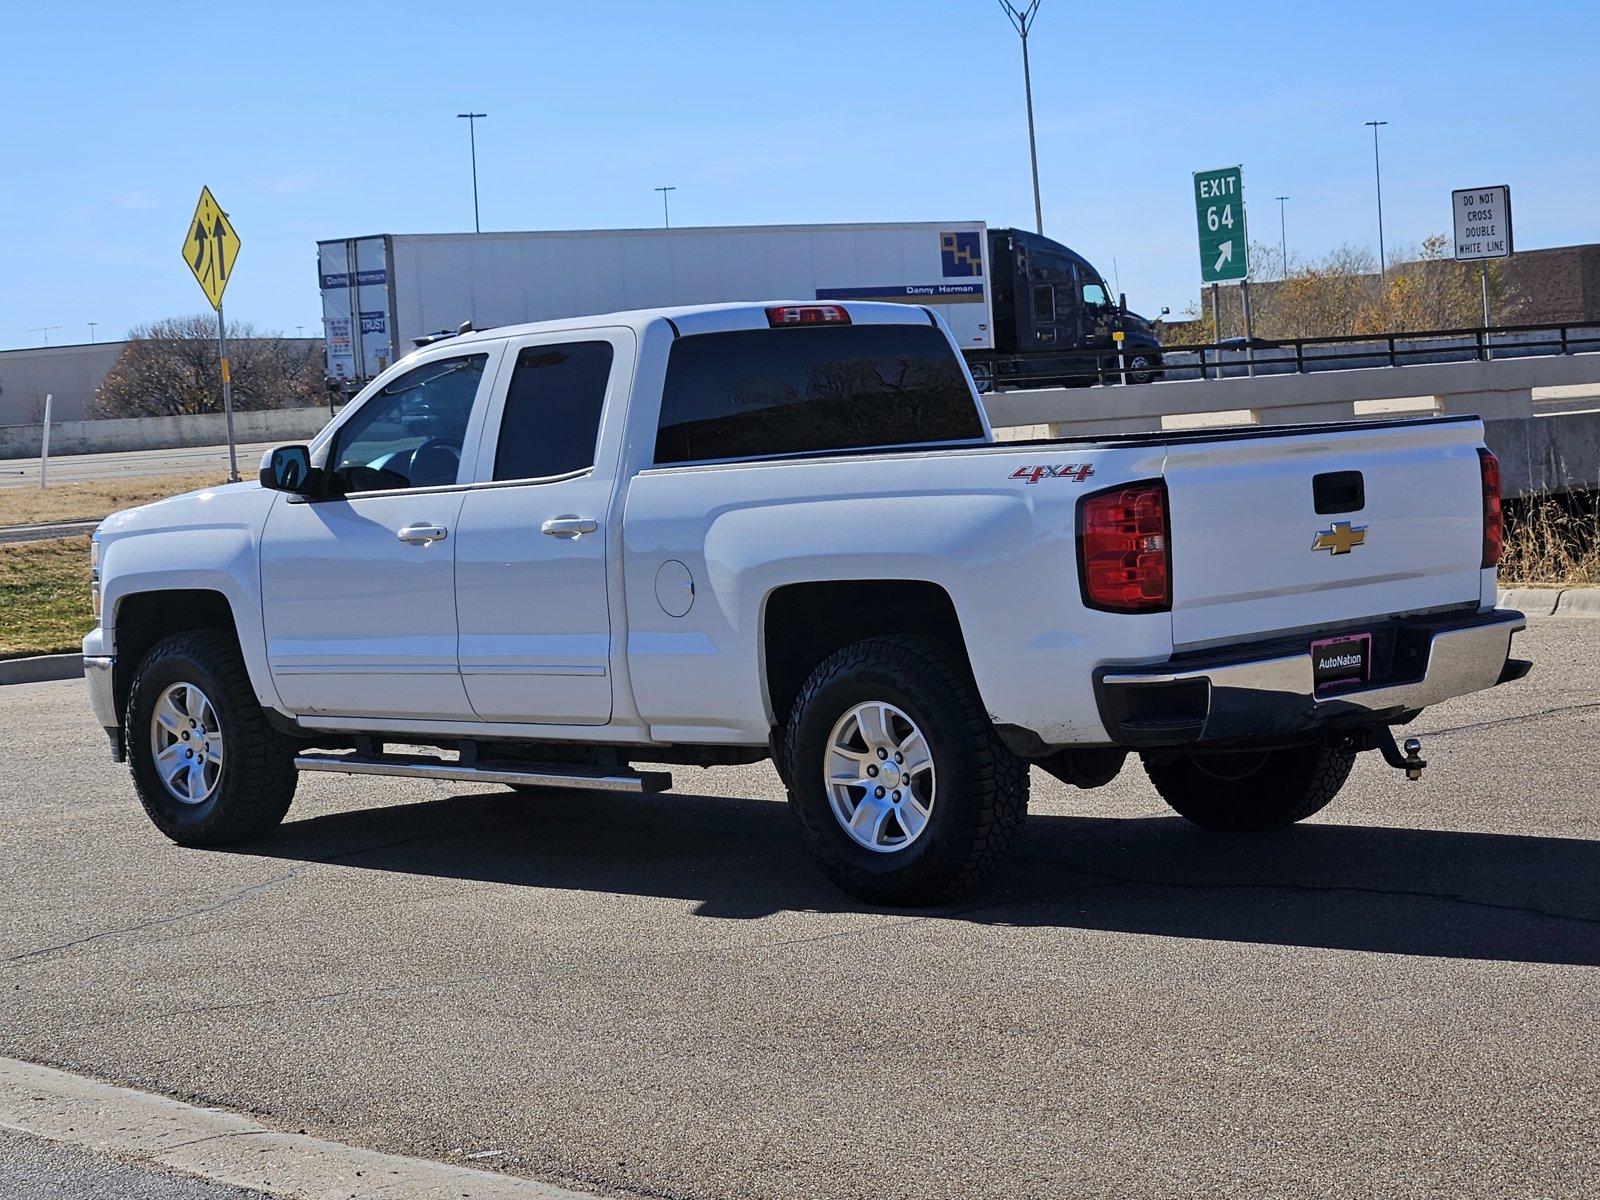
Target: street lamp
{"type": "Point", "coordinates": [1022, 21]}
{"type": "Point", "coordinates": [666, 217]}
{"type": "Point", "coordinates": [472, 119]}
{"type": "Point", "coordinates": [1283, 236]}
{"type": "Point", "coordinates": [1377, 175]}
{"type": "Point", "coordinates": [92, 324]}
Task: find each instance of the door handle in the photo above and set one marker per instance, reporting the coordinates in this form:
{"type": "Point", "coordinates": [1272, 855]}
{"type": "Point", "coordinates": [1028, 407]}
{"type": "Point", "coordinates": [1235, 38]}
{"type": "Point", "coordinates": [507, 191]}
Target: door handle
{"type": "Point", "coordinates": [422, 535]}
{"type": "Point", "coordinates": [569, 527]}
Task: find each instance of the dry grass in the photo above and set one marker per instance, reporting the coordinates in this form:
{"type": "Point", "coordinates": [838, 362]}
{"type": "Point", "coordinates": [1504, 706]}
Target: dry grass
{"type": "Point", "coordinates": [44, 596]}
{"type": "Point", "coordinates": [96, 498]}
{"type": "Point", "coordinates": [1553, 540]}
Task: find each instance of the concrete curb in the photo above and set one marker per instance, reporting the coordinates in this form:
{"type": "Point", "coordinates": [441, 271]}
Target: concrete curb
{"type": "Point", "coordinates": [41, 668]}
{"type": "Point", "coordinates": [1553, 602]}
{"type": "Point", "coordinates": [227, 1148]}
{"type": "Point", "coordinates": [1579, 602]}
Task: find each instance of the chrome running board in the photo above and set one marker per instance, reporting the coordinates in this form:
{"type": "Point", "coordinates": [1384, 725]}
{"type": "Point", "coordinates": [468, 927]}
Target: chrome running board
{"type": "Point", "coordinates": [554, 775]}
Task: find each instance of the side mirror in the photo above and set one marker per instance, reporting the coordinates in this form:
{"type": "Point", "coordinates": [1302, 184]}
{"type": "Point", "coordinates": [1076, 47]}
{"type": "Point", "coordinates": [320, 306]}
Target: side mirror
{"type": "Point", "coordinates": [286, 469]}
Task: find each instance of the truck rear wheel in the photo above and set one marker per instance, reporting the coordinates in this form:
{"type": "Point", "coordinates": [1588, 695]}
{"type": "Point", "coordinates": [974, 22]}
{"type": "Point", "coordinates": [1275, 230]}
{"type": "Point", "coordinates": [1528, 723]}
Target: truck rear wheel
{"type": "Point", "coordinates": [1251, 789]}
{"type": "Point", "coordinates": [209, 769]}
{"type": "Point", "coordinates": [904, 792]}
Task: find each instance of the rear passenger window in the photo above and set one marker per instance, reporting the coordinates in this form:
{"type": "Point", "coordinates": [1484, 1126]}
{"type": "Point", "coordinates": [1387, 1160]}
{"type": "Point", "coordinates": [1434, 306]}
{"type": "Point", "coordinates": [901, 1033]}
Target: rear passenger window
{"type": "Point", "coordinates": [762, 392]}
{"type": "Point", "coordinates": [552, 414]}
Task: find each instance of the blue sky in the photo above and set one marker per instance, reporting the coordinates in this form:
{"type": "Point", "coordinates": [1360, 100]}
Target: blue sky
{"type": "Point", "coordinates": [325, 120]}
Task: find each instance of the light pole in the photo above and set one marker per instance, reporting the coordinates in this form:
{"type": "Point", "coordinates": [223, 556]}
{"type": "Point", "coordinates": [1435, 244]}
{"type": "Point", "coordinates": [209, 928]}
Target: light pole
{"type": "Point", "coordinates": [1022, 21]}
{"type": "Point", "coordinates": [666, 217]}
{"type": "Point", "coordinates": [1283, 235]}
{"type": "Point", "coordinates": [472, 119]}
{"type": "Point", "coordinates": [92, 324]}
{"type": "Point", "coordinates": [1377, 175]}
{"type": "Point", "coordinates": [44, 329]}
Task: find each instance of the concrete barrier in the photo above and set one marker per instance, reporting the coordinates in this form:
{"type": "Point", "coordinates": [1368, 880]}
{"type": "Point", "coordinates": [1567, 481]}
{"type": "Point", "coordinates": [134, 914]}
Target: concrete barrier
{"type": "Point", "coordinates": [1552, 446]}
{"type": "Point", "coordinates": [162, 433]}
{"type": "Point", "coordinates": [1491, 390]}
{"type": "Point", "coordinates": [1547, 452]}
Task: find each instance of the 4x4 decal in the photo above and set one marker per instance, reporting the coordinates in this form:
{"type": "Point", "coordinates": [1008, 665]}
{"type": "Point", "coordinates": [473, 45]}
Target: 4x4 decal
{"type": "Point", "coordinates": [1058, 471]}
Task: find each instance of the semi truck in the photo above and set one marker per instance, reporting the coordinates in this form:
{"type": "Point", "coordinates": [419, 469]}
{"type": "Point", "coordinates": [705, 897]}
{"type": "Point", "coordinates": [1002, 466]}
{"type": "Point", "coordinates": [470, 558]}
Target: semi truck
{"type": "Point", "coordinates": [1022, 307]}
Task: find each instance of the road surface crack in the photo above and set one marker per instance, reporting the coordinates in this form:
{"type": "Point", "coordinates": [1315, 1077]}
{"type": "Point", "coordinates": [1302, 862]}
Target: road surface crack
{"type": "Point", "coordinates": [1512, 720]}
{"type": "Point", "coordinates": [1322, 889]}
{"type": "Point", "coordinates": [154, 923]}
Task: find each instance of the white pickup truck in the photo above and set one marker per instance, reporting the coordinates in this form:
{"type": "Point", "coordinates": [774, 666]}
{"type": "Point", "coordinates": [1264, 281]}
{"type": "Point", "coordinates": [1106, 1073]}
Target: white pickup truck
{"type": "Point", "coordinates": [538, 556]}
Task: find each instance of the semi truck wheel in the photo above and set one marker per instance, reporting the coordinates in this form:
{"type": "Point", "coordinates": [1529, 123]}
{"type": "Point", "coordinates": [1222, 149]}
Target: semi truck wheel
{"type": "Point", "coordinates": [209, 769]}
{"type": "Point", "coordinates": [1251, 790]}
{"type": "Point", "coordinates": [905, 794]}
{"type": "Point", "coordinates": [1140, 369]}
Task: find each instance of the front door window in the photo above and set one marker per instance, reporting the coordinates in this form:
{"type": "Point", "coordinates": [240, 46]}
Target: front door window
{"type": "Point", "coordinates": [409, 435]}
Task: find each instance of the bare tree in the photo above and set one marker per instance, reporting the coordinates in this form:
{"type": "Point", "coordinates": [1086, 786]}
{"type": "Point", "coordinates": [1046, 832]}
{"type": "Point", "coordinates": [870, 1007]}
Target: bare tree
{"type": "Point", "coordinates": [170, 367]}
{"type": "Point", "coordinates": [1342, 294]}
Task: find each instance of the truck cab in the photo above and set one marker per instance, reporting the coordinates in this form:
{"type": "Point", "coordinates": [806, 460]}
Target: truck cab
{"type": "Point", "coordinates": [1048, 297]}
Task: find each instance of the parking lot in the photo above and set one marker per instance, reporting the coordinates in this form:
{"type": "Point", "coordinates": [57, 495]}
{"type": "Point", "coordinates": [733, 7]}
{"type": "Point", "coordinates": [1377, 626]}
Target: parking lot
{"type": "Point", "coordinates": [660, 996]}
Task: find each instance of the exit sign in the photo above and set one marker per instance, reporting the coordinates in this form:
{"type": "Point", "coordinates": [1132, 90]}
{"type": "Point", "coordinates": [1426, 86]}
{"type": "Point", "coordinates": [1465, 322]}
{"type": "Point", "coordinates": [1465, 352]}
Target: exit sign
{"type": "Point", "coordinates": [1219, 217]}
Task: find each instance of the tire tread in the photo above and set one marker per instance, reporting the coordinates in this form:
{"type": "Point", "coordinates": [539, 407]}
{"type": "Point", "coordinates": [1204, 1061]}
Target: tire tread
{"type": "Point", "coordinates": [1002, 778]}
{"type": "Point", "coordinates": [261, 775]}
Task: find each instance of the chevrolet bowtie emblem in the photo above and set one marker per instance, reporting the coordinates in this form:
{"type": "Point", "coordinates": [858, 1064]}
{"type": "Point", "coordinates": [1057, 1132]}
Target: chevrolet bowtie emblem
{"type": "Point", "coordinates": [1340, 538]}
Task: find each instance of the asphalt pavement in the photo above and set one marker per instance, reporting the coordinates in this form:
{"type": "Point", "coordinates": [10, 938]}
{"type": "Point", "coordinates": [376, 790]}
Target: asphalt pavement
{"type": "Point", "coordinates": [659, 995]}
{"type": "Point", "coordinates": [80, 468]}
{"type": "Point", "coordinates": [35, 1169]}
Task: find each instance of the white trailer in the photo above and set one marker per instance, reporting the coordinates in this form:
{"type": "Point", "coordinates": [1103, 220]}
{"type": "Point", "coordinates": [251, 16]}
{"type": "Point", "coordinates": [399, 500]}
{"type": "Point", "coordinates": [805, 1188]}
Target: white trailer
{"type": "Point", "coordinates": [380, 293]}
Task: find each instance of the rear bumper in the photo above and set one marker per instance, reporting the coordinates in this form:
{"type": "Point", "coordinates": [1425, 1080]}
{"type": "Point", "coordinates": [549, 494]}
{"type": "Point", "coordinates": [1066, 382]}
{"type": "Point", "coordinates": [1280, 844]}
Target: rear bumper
{"type": "Point", "coordinates": [1265, 692]}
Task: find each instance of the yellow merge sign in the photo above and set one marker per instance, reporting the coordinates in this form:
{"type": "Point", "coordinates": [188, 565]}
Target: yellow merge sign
{"type": "Point", "coordinates": [211, 247]}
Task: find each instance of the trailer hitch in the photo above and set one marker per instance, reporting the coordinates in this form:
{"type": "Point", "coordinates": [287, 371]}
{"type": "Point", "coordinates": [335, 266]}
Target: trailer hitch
{"type": "Point", "coordinates": [1381, 739]}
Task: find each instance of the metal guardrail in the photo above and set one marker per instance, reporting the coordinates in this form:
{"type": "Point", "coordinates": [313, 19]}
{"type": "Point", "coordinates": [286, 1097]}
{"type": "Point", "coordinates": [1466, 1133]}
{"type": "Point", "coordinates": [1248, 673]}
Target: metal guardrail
{"type": "Point", "coordinates": [1235, 357]}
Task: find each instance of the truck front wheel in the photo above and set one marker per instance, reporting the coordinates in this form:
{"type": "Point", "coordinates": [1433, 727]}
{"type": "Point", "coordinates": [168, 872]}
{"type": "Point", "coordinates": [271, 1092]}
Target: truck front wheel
{"type": "Point", "coordinates": [209, 769]}
{"type": "Point", "coordinates": [904, 792]}
{"type": "Point", "coordinates": [1248, 790]}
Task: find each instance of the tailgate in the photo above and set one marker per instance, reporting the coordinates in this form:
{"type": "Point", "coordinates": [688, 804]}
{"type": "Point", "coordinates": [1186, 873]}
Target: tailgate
{"type": "Point", "coordinates": [1247, 558]}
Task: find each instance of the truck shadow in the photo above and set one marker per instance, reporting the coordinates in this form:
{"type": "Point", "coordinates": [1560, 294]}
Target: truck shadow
{"type": "Point", "coordinates": [1391, 890]}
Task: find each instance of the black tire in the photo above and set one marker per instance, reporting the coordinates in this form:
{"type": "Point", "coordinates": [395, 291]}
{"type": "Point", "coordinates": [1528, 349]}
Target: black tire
{"type": "Point", "coordinates": [257, 779]}
{"type": "Point", "coordinates": [1139, 369]}
{"type": "Point", "coordinates": [1251, 790]}
{"type": "Point", "coordinates": [981, 794]}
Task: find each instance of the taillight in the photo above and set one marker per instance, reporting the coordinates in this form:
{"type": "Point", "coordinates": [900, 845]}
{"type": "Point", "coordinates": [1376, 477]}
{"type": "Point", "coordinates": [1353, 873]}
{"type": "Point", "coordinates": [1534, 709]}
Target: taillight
{"type": "Point", "coordinates": [1124, 555]}
{"type": "Point", "coordinates": [94, 576]}
{"type": "Point", "coordinates": [1494, 517]}
{"type": "Point", "coordinates": [807, 314]}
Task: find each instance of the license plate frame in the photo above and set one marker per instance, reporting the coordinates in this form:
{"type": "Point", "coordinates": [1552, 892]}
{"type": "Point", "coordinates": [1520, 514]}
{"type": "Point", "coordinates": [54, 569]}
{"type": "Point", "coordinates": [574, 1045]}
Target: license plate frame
{"type": "Point", "coordinates": [1331, 667]}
